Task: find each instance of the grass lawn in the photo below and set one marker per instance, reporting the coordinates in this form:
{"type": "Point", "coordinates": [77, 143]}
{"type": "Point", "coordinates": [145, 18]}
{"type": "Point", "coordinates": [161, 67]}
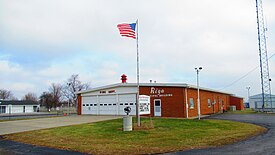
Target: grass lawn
{"type": "Point", "coordinates": [168, 135]}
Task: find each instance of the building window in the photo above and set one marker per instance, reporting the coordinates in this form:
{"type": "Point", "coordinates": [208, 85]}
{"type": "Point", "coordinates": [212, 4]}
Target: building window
{"type": "Point", "coordinates": [3, 109]}
{"type": "Point", "coordinates": [191, 103]}
{"type": "Point", "coordinates": [101, 104]}
{"type": "Point", "coordinates": [91, 104]}
{"type": "Point", "coordinates": [209, 102]}
{"type": "Point", "coordinates": [87, 105]}
{"type": "Point", "coordinates": [110, 104]}
{"type": "Point", "coordinates": [121, 104]}
{"type": "Point", "coordinates": [131, 103]}
{"type": "Point", "coordinates": [114, 104]}
{"type": "Point", "coordinates": [95, 104]}
{"type": "Point", "coordinates": [126, 103]}
{"type": "Point", "coordinates": [83, 105]}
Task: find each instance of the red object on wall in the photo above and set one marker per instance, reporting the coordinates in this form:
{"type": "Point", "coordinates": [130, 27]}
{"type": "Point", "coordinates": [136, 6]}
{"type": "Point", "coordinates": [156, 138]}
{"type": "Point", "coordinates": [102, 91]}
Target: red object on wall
{"type": "Point", "coordinates": [236, 101]}
{"type": "Point", "coordinates": [123, 78]}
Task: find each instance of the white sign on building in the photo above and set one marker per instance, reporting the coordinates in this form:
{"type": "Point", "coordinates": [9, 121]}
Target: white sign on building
{"type": "Point", "coordinates": [144, 104]}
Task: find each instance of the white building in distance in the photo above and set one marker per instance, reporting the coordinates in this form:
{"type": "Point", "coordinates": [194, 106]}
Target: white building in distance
{"type": "Point", "coordinates": [256, 102]}
{"type": "Point", "coordinates": [8, 106]}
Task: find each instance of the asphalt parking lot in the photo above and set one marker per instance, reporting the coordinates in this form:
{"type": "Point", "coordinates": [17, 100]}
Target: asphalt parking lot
{"type": "Point", "coordinates": [260, 145]}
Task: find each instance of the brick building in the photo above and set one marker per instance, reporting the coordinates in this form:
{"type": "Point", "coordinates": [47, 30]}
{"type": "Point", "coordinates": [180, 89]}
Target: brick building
{"type": "Point", "coordinates": [236, 101]}
{"type": "Point", "coordinates": [165, 100]}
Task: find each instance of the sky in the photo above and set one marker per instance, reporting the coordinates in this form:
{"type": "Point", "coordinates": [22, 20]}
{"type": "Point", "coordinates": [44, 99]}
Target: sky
{"type": "Point", "coordinates": [46, 41]}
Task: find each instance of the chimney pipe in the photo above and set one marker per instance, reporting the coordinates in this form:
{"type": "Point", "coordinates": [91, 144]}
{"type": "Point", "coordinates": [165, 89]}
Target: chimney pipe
{"type": "Point", "coordinates": [123, 78]}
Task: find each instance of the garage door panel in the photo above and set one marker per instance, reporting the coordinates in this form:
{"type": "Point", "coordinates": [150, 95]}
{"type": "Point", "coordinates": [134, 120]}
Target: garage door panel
{"type": "Point", "coordinates": [126, 100]}
{"type": "Point", "coordinates": [88, 103]}
{"type": "Point", "coordinates": [107, 104]}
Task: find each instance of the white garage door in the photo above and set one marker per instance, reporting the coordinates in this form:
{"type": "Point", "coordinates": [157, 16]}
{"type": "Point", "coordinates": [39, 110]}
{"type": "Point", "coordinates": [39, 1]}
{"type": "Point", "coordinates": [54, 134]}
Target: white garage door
{"type": "Point", "coordinates": [93, 105]}
{"type": "Point", "coordinates": [89, 105]}
{"type": "Point", "coordinates": [107, 105]}
{"type": "Point", "coordinates": [127, 100]}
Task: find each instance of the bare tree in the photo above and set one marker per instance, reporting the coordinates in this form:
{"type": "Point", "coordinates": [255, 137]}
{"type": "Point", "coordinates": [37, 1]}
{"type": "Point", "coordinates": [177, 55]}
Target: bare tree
{"type": "Point", "coordinates": [56, 91]}
{"type": "Point", "coordinates": [72, 85]}
{"type": "Point", "coordinates": [30, 97]}
{"type": "Point", "coordinates": [6, 94]}
{"type": "Point", "coordinates": [53, 97]}
{"type": "Point", "coordinates": [46, 99]}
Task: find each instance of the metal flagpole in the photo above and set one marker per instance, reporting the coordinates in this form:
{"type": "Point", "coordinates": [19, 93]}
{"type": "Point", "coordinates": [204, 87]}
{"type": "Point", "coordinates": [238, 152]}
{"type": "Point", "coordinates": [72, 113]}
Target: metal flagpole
{"type": "Point", "coordinates": [137, 106]}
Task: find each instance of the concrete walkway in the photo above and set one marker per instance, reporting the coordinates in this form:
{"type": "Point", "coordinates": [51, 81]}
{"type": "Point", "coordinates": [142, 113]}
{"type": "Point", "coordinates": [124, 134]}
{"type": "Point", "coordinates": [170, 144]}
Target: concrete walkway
{"type": "Point", "coordinates": [9, 127]}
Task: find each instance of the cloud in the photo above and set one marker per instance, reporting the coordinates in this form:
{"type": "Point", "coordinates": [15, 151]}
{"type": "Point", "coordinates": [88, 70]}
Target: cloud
{"type": "Point", "coordinates": [47, 41]}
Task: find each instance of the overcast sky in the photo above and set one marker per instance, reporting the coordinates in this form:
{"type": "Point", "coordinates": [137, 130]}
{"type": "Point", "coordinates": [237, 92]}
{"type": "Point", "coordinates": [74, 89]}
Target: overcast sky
{"type": "Point", "coordinates": [46, 41]}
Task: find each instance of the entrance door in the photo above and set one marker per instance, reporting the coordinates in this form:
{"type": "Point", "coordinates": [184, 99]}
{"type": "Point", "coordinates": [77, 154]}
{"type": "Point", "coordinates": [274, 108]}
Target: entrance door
{"type": "Point", "coordinates": [157, 107]}
{"type": "Point", "coordinates": [34, 108]}
{"type": "Point", "coordinates": [2, 109]}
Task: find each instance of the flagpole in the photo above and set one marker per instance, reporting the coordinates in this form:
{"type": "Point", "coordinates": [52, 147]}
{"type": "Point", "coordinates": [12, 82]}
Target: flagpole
{"type": "Point", "coordinates": [137, 105]}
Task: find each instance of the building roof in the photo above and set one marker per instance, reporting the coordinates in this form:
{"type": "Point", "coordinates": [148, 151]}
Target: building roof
{"type": "Point", "coordinates": [8, 102]}
{"type": "Point", "coordinates": [259, 96]}
{"type": "Point", "coordinates": [183, 85]}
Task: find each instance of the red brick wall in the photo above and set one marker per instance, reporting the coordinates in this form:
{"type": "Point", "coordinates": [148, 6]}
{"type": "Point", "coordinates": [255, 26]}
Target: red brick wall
{"type": "Point", "coordinates": [171, 106]}
{"type": "Point", "coordinates": [221, 101]}
{"type": "Point", "coordinates": [174, 106]}
{"type": "Point", "coordinates": [79, 101]}
{"type": "Point", "coordinates": [237, 101]}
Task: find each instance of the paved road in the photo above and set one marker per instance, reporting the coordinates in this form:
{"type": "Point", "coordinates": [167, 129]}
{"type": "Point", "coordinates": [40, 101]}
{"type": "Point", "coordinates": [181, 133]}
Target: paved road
{"type": "Point", "coordinates": [259, 145]}
{"type": "Point", "coordinates": [9, 127]}
{"type": "Point", "coordinates": [15, 148]}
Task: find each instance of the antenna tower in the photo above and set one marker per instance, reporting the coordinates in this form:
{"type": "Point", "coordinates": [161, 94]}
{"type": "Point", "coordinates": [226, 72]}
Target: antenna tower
{"type": "Point", "coordinates": [265, 79]}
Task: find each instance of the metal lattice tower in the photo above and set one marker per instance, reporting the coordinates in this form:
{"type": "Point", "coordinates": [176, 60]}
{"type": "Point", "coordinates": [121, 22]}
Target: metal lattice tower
{"type": "Point", "coordinates": [265, 79]}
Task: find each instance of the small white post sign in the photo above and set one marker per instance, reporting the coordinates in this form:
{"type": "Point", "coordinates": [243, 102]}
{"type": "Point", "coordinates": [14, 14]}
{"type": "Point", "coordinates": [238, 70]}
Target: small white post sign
{"type": "Point", "coordinates": [144, 104]}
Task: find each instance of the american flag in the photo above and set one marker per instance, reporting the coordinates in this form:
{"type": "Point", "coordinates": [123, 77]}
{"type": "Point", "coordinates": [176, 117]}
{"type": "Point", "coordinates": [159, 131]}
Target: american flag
{"type": "Point", "coordinates": [127, 30]}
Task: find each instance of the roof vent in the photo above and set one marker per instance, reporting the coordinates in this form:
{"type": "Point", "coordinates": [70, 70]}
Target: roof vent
{"type": "Point", "coordinates": [123, 78]}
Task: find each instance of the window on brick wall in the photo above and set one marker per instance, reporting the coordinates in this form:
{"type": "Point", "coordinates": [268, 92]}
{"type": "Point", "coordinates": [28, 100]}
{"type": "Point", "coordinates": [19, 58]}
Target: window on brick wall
{"type": "Point", "coordinates": [191, 100]}
{"type": "Point", "coordinates": [209, 102]}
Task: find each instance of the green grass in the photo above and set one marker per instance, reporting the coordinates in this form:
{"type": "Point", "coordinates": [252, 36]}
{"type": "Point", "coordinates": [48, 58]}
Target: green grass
{"type": "Point", "coordinates": [166, 136]}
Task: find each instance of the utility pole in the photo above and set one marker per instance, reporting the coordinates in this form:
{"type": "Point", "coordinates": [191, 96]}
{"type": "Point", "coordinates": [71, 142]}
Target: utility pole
{"type": "Point", "coordinates": [68, 109]}
{"type": "Point", "coordinates": [198, 86]}
{"type": "Point", "coordinates": [248, 93]}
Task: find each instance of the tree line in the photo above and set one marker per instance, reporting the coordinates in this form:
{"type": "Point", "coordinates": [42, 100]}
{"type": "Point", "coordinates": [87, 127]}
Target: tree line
{"type": "Point", "coordinates": [56, 95]}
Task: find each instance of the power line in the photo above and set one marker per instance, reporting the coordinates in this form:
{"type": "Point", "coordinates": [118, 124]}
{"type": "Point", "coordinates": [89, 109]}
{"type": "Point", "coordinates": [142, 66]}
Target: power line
{"type": "Point", "coordinates": [245, 75]}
